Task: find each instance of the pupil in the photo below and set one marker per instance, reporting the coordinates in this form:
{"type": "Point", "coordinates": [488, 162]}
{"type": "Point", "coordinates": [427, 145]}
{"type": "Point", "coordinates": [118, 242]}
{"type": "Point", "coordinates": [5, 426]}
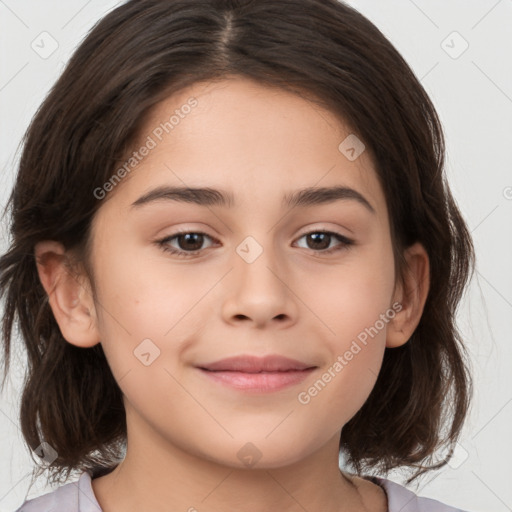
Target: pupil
{"type": "Point", "coordinates": [317, 236]}
{"type": "Point", "coordinates": [189, 237]}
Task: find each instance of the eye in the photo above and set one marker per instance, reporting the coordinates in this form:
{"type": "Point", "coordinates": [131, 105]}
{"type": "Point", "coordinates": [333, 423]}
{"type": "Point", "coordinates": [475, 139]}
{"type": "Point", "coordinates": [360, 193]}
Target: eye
{"type": "Point", "coordinates": [189, 243]}
{"type": "Point", "coordinates": [320, 241]}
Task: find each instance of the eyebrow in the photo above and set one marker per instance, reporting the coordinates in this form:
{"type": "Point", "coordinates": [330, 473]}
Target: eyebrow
{"type": "Point", "coordinates": [207, 196]}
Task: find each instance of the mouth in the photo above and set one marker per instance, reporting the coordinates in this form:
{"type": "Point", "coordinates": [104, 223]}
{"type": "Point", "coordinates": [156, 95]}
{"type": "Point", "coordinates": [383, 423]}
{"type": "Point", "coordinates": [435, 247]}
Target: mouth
{"type": "Point", "coordinates": [253, 364]}
{"type": "Point", "coordinates": [256, 374]}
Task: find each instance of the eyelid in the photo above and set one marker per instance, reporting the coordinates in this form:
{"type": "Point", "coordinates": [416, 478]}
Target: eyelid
{"type": "Point", "coordinates": [325, 229]}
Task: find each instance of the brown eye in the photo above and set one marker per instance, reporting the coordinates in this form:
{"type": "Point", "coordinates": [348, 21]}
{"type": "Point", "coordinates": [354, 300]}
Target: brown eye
{"type": "Point", "coordinates": [185, 243]}
{"type": "Point", "coordinates": [190, 241]}
{"type": "Point", "coordinates": [320, 241]}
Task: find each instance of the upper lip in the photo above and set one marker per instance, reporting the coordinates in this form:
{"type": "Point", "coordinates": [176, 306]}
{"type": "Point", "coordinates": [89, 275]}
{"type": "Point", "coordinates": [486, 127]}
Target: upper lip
{"type": "Point", "coordinates": [253, 364]}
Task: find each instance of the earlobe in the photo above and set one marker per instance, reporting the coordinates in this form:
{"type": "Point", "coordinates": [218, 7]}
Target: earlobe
{"type": "Point", "coordinates": [68, 293]}
{"type": "Point", "coordinates": [412, 294]}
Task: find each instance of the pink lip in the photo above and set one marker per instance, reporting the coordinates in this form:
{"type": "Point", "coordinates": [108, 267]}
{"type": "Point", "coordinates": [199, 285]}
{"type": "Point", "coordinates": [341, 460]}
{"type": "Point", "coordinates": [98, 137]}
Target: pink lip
{"type": "Point", "coordinates": [253, 364]}
{"type": "Point", "coordinates": [259, 374]}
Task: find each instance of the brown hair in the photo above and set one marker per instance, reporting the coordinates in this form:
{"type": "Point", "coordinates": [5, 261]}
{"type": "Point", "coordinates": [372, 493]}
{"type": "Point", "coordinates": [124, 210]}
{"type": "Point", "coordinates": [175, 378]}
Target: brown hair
{"type": "Point", "coordinates": [324, 50]}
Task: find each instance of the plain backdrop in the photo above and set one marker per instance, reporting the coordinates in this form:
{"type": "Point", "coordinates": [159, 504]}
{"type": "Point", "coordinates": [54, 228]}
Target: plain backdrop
{"type": "Point", "coordinates": [461, 51]}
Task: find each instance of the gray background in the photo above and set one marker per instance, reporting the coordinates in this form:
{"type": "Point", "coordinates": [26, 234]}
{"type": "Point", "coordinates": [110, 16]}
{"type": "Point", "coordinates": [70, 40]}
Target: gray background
{"type": "Point", "coordinates": [472, 90]}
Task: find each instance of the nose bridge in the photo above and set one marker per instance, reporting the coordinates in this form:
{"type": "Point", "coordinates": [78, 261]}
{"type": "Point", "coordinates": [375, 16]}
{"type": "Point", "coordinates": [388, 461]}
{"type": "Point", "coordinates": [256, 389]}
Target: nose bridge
{"type": "Point", "coordinates": [258, 288]}
{"type": "Point", "coordinates": [257, 264]}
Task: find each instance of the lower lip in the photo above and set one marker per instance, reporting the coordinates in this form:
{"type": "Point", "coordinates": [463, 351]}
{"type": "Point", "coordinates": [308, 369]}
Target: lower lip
{"type": "Point", "coordinates": [258, 382]}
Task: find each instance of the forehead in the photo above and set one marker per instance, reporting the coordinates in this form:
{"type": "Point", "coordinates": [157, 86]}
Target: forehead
{"type": "Point", "coordinates": [257, 141]}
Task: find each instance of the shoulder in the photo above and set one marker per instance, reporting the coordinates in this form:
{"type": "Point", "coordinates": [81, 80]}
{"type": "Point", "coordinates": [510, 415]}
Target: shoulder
{"type": "Point", "coordinates": [72, 497]}
{"type": "Point", "coordinates": [404, 500]}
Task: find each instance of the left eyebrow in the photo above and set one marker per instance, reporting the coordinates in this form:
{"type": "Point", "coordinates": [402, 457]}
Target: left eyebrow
{"type": "Point", "coordinates": [207, 196]}
{"type": "Point", "coordinates": [324, 195]}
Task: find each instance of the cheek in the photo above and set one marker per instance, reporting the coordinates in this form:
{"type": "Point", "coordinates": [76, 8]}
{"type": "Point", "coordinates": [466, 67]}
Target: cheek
{"type": "Point", "coordinates": [145, 306]}
{"type": "Point", "coordinates": [355, 307]}
{"type": "Point", "coordinates": [355, 359]}
{"type": "Point", "coordinates": [135, 290]}
{"type": "Point", "coordinates": [351, 297]}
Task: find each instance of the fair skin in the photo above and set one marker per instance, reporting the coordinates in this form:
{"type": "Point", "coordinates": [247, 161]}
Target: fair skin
{"type": "Point", "coordinates": [185, 431]}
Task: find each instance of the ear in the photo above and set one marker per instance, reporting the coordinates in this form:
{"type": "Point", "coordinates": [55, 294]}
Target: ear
{"type": "Point", "coordinates": [412, 294]}
{"type": "Point", "coordinates": [69, 294]}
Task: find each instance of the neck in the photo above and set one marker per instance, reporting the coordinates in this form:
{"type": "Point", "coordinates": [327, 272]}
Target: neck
{"type": "Point", "coordinates": [143, 481]}
{"type": "Point", "coordinates": [159, 476]}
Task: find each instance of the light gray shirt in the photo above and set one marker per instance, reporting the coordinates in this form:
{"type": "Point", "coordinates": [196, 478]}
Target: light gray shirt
{"type": "Point", "coordinates": [79, 497]}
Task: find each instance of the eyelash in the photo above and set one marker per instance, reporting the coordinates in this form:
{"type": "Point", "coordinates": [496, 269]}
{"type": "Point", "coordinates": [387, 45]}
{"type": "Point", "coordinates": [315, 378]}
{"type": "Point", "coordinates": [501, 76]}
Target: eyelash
{"type": "Point", "coordinates": [163, 243]}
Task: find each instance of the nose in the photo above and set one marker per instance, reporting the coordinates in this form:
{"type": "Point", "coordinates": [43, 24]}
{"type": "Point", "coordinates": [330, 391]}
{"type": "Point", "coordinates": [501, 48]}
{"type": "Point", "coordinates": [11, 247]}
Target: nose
{"type": "Point", "coordinates": [259, 291]}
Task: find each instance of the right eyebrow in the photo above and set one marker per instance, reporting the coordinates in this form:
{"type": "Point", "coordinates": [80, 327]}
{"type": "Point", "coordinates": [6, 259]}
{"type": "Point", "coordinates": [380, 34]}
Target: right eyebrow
{"type": "Point", "coordinates": [202, 196]}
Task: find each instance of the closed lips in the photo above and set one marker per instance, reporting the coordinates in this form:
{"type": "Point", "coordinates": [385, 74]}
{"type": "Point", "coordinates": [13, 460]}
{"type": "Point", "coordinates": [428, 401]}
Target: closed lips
{"type": "Point", "coordinates": [251, 364]}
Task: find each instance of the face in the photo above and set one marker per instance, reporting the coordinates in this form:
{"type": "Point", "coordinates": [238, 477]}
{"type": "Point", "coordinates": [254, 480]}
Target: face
{"type": "Point", "coordinates": [255, 276]}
